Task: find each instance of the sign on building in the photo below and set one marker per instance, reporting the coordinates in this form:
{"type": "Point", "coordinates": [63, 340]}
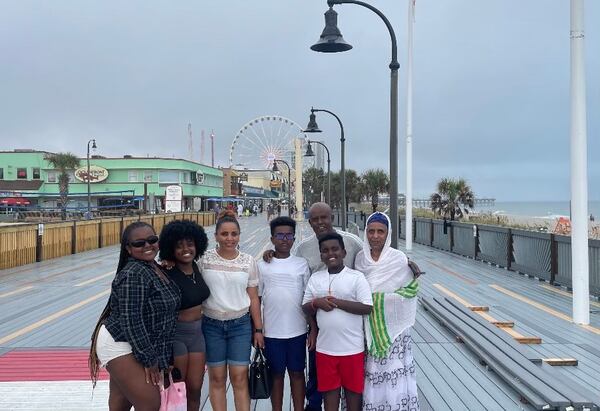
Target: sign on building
{"type": "Point", "coordinates": [97, 174]}
{"type": "Point", "coordinates": [173, 199]}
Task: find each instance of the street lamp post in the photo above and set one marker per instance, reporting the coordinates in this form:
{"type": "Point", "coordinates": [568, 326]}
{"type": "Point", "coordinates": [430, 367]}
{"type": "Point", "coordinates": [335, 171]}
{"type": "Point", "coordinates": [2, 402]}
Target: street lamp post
{"type": "Point", "coordinates": [89, 195]}
{"type": "Point", "coordinates": [311, 153]}
{"type": "Point", "coordinates": [275, 169]}
{"type": "Point", "coordinates": [331, 41]}
{"type": "Point", "coordinates": [314, 128]}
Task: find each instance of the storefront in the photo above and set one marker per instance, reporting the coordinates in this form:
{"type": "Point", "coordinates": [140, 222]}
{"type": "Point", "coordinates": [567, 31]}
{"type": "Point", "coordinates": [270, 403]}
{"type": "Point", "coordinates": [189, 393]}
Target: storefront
{"type": "Point", "coordinates": [133, 182]}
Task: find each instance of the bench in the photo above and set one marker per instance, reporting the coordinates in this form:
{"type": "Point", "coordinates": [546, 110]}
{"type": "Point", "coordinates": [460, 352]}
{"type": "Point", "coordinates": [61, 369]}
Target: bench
{"type": "Point", "coordinates": [526, 374]}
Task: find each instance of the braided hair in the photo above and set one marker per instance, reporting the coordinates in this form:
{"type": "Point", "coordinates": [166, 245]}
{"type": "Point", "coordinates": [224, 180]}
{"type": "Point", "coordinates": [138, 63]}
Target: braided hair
{"type": "Point", "coordinates": [93, 361]}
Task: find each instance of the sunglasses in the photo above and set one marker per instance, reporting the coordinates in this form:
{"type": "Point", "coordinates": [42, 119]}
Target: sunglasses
{"type": "Point", "coordinates": [153, 239]}
{"type": "Point", "coordinates": [285, 236]}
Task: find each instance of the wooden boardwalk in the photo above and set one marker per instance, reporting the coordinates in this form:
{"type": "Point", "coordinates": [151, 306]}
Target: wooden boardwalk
{"type": "Point", "coordinates": [54, 305]}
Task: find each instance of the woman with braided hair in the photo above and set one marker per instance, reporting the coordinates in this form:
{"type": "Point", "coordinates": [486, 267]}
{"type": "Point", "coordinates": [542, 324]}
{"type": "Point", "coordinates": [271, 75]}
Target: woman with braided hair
{"type": "Point", "coordinates": [134, 335]}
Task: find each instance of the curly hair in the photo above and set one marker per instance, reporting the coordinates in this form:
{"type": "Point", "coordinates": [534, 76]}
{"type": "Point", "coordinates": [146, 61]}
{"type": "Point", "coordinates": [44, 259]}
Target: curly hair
{"type": "Point", "coordinates": [178, 230]}
{"type": "Point", "coordinates": [282, 221]}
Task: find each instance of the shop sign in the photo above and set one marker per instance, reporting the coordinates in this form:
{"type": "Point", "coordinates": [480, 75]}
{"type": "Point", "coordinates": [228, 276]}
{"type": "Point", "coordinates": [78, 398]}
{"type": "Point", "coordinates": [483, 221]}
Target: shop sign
{"type": "Point", "coordinates": [199, 177]}
{"type": "Point", "coordinates": [97, 174]}
{"type": "Point", "coordinates": [275, 183]}
{"type": "Point", "coordinates": [173, 197]}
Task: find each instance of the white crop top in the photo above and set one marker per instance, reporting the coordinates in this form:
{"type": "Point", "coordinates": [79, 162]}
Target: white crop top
{"type": "Point", "coordinates": [227, 281]}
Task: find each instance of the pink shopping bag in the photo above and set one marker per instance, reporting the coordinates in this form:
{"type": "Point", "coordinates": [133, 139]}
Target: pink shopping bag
{"type": "Point", "coordinates": [173, 398]}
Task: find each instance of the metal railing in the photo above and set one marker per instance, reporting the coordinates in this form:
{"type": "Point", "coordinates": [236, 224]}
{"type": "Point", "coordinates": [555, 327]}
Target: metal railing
{"type": "Point", "coordinates": [541, 255]}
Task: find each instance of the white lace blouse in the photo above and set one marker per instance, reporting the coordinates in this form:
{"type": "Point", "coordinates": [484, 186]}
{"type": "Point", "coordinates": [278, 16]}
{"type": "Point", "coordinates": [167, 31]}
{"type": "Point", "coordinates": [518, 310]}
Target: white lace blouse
{"type": "Point", "coordinates": [227, 281]}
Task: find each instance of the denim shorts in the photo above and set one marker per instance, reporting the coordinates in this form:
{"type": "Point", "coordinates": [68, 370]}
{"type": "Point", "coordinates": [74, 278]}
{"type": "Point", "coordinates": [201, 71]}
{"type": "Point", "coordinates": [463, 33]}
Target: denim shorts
{"type": "Point", "coordinates": [227, 342]}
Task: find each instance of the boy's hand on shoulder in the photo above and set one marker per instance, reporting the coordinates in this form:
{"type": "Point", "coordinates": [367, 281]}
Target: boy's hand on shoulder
{"type": "Point", "coordinates": [268, 255]}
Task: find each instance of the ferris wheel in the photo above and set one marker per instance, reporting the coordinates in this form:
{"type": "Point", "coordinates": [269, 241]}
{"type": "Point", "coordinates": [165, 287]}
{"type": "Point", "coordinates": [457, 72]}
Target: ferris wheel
{"type": "Point", "coordinates": [265, 139]}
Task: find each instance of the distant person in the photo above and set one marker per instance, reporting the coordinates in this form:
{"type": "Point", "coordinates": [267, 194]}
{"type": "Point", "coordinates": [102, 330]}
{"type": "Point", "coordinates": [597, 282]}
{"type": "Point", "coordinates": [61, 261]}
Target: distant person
{"type": "Point", "coordinates": [255, 209]}
{"type": "Point", "coordinates": [394, 289]}
{"type": "Point", "coordinates": [269, 211]}
{"type": "Point", "coordinates": [339, 297]}
{"type": "Point", "coordinates": [183, 242]}
{"type": "Point", "coordinates": [278, 209]}
{"type": "Point", "coordinates": [281, 285]}
{"type": "Point", "coordinates": [592, 219]}
{"type": "Point", "coordinates": [133, 335]}
{"type": "Point", "coordinates": [240, 210]}
{"type": "Point", "coordinates": [232, 319]}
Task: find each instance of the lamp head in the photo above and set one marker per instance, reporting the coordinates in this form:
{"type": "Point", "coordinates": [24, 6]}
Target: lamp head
{"type": "Point", "coordinates": [275, 168]}
{"type": "Point", "coordinates": [312, 126]}
{"type": "Point", "coordinates": [331, 40]}
{"type": "Point", "coordinates": [309, 151]}
{"type": "Point", "coordinates": [94, 144]}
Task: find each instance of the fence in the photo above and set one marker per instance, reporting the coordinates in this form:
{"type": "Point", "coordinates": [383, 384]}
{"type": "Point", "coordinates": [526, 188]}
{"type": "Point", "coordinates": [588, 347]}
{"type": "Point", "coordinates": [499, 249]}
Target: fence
{"type": "Point", "coordinates": [27, 243]}
{"type": "Point", "coordinates": [541, 255]}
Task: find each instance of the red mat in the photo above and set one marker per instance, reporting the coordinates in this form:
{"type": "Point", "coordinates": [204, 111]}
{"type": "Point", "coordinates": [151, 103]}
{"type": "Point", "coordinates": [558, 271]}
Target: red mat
{"type": "Point", "coordinates": [46, 365]}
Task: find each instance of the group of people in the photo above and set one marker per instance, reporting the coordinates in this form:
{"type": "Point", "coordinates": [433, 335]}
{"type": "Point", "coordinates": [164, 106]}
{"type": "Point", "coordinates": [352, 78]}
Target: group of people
{"type": "Point", "coordinates": [349, 303]}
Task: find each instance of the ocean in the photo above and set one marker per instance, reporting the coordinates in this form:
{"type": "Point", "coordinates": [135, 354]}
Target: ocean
{"type": "Point", "coordinates": [537, 208]}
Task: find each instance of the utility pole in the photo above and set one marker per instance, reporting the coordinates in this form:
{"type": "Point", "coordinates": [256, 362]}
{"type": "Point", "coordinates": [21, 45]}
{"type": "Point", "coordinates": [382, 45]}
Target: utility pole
{"type": "Point", "coordinates": [190, 143]}
{"type": "Point", "coordinates": [202, 146]}
{"type": "Point", "coordinates": [212, 148]}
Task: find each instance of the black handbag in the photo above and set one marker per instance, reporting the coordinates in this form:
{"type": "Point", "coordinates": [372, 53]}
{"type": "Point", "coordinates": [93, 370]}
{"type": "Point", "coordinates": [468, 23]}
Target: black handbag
{"type": "Point", "coordinates": [260, 378]}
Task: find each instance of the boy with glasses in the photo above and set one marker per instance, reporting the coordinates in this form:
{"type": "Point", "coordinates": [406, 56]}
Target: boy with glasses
{"type": "Point", "coordinates": [281, 286]}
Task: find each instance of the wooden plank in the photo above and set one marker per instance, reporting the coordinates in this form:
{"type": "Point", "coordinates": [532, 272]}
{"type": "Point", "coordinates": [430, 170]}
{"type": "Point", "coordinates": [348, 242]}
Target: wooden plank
{"type": "Point", "coordinates": [556, 362]}
{"type": "Point", "coordinates": [479, 308]}
{"type": "Point", "coordinates": [503, 324]}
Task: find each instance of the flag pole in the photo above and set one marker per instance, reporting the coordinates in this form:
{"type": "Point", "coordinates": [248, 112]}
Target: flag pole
{"type": "Point", "coordinates": [579, 194]}
{"type": "Point", "coordinates": [409, 114]}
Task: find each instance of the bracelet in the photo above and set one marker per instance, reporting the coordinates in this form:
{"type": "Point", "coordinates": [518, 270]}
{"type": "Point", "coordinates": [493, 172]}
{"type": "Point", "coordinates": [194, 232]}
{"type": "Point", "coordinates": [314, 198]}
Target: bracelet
{"type": "Point", "coordinates": [258, 330]}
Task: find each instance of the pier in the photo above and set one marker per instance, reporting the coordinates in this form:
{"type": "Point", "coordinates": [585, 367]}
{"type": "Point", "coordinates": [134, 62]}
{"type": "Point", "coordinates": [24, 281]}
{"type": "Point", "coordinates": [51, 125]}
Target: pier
{"type": "Point", "coordinates": [49, 309]}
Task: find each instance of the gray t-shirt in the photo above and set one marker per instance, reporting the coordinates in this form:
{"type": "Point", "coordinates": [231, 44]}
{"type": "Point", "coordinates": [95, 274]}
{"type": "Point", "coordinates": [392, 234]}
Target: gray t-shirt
{"type": "Point", "coordinates": [309, 249]}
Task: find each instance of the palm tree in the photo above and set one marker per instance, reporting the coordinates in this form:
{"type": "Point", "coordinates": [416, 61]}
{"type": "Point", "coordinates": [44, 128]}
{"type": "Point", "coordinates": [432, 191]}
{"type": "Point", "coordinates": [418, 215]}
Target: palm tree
{"type": "Point", "coordinates": [453, 199]}
{"type": "Point", "coordinates": [374, 181]}
{"type": "Point", "coordinates": [63, 162]}
{"type": "Point", "coordinates": [312, 183]}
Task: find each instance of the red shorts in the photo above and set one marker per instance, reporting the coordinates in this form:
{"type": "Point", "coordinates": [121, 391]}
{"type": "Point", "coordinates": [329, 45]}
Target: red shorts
{"type": "Point", "coordinates": [346, 371]}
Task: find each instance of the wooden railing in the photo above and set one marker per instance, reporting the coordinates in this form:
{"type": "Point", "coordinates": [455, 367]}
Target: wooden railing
{"type": "Point", "coordinates": [27, 243]}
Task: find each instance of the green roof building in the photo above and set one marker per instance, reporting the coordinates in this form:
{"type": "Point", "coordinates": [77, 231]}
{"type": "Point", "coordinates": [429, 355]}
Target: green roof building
{"type": "Point", "coordinates": [27, 174]}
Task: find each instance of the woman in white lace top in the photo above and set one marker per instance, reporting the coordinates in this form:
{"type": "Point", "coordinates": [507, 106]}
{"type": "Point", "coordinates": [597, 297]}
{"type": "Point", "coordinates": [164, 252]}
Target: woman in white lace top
{"type": "Point", "coordinates": [232, 316]}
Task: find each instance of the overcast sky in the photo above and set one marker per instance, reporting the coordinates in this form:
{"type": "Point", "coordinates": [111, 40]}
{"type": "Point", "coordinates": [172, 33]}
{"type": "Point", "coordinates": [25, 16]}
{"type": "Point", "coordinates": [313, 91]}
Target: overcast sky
{"type": "Point", "coordinates": [491, 83]}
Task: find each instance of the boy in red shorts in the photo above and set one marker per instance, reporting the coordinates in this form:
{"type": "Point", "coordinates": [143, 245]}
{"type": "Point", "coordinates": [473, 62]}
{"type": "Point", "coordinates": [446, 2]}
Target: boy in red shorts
{"type": "Point", "coordinates": [339, 297]}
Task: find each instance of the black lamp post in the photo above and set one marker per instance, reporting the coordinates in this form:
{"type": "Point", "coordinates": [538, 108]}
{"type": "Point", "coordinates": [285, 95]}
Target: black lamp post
{"type": "Point", "coordinates": [275, 169]}
{"type": "Point", "coordinates": [89, 195]}
{"type": "Point", "coordinates": [311, 153]}
{"type": "Point", "coordinates": [331, 41]}
{"type": "Point", "coordinates": [312, 127]}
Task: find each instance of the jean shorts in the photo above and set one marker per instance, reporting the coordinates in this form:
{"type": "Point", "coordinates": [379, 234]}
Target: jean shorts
{"type": "Point", "coordinates": [227, 342]}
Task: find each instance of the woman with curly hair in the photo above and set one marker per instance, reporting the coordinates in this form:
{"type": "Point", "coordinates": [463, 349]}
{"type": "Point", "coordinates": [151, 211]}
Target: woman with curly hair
{"type": "Point", "coordinates": [133, 336]}
{"type": "Point", "coordinates": [182, 243]}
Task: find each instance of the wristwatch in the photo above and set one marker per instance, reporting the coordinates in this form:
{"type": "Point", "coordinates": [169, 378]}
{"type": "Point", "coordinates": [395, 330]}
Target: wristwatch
{"type": "Point", "coordinates": [258, 330]}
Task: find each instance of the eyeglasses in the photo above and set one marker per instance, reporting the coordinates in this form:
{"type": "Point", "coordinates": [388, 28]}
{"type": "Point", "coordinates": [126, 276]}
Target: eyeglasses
{"type": "Point", "coordinates": [153, 239]}
{"type": "Point", "coordinates": [284, 236]}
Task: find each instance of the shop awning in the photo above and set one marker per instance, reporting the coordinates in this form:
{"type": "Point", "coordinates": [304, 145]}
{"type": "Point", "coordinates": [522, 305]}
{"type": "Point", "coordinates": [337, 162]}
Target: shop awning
{"type": "Point", "coordinates": [14, 201]}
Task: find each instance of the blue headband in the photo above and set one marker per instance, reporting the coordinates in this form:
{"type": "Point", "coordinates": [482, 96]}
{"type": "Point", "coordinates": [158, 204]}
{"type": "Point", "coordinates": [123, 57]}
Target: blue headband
{"type": "Point", "coordinates": [378, 218]}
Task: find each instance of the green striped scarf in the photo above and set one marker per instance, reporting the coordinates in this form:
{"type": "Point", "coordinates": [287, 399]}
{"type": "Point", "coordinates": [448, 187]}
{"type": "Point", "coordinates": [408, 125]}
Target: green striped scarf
{"type": "Point", "coordinates": [381, 339]}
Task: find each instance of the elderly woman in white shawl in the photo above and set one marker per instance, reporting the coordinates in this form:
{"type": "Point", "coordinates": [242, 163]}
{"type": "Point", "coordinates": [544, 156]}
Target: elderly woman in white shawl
{"type": "Point", "coordinates": [390, 378]}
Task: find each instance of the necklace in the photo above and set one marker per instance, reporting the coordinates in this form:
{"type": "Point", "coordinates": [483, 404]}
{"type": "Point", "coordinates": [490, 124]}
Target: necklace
{"type": "Point", "coordinates": [331, 280]}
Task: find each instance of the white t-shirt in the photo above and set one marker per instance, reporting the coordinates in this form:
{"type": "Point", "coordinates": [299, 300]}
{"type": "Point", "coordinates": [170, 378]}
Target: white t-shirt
{"type": "Point", "coordinates": [227, 281]}
{"type": "Point", "coordinates": [340, 333]}
{"type": "Point", "coordinates": [281, 285]}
